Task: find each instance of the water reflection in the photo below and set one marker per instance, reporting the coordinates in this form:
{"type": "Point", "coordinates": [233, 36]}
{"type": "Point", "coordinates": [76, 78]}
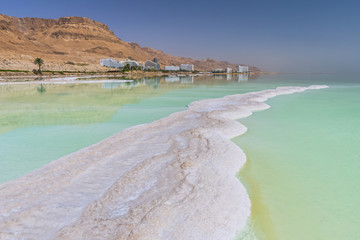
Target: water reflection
{"type": "Point", "coordinates": [243, 77]}
{"type": "Point", "coordinates": [112, 85]}
{"type": "Point", "coordinates": [236, 77]}
{"type": "Point", "coordinates": [219, 77]}
{"type": "Point", "coordinates": [114, 82]}
{"type": "Point", "coordinates": [41, 89]}
{"type": "Point", "coordinates": [172, 79]}
{"type": "Point", "coordinates": [187, 79]}
{"type": "Point", "coordinates": [69, 103]}
{"type": "Point", "coordinates": [151, 81]}
{"type": "Point", "coordinates": [66, 114]}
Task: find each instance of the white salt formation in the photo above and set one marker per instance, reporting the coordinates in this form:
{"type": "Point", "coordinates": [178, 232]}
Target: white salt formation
{"type": "Point", "coordinates": [170, 179]}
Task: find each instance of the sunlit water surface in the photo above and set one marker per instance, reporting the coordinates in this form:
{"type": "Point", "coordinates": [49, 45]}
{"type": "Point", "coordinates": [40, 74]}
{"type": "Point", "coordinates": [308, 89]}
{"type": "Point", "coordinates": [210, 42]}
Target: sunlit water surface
{"type": "Point", "coordinates": [303, 168]}
{"type": "Point", "coordinates": [303, 165]}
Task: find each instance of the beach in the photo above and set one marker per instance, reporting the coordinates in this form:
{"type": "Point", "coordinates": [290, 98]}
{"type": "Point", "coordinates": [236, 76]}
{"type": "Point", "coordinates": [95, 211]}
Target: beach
{"type": "Point", "coordinates": [184, 121]}
{"type": "Point", "coordinates": [174, 178]}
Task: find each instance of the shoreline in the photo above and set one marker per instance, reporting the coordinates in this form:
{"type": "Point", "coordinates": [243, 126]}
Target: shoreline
{"type": "Point", "coordinates": [29, 77]}
{"type": "Point", "coordinates": [181, 173]}
{"type": "Point", "coordinates": [66, 81]}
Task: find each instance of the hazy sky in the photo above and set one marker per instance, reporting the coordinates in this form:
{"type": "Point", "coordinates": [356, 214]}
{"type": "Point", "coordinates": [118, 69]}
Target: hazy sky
{"type": "Point", "coordinates": [288, 36]}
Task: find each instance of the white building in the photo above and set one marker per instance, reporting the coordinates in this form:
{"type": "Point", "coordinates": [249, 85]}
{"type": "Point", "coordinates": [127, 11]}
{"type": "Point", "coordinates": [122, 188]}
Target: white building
{"type": "Point", "coordinates": [152, 65]}
{"type": "Point", "coordinates": [187, 67]}
{"type": "Point", "coordinates": [110, 63]}
{"type": "Point", "coordinates": [114, 64]}
{"type": "Point", "coordinates": [228, 70]}
{"type": "Point", "coordinates": [131, 63]}
{"type": "Point", "coordinates": [243, 69]}
{"type": "Point", "coordinates": [219, 70]}
{"type": "Point", "coordinates": [172, 68]}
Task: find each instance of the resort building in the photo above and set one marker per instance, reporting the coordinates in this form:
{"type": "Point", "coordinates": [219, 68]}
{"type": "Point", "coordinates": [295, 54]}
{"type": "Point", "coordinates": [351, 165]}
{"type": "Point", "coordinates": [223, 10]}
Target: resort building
{"type": "Point", "coordinates": [187, 67]}
{"type": "Point", "coordinates": [152, 64]}
{"type": "Point", "coordinates": [132, 63]}
{"type": "Point", "coordinates": [228, 70]}
{"type": "Point", "coordinates": [219, 70]}
{"type": "Point", "coordinates": [243, 69]}
{"type": "Point", "coordinates": [172, 68]}
{"type": "Point", "coordinates": [111, 63]}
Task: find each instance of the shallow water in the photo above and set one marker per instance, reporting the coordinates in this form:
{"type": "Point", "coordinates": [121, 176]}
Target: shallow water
{"type": "Point", "coordinates": [302, 153]}
{"type": "Point", "coordinates": [40, 123]}
{"type": "Point", "coordinates": [302, 172]}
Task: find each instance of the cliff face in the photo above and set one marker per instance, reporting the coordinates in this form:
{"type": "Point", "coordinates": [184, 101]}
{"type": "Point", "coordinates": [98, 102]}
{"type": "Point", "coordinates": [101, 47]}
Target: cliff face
{"type": "Point", "coordinates": [75, 43]}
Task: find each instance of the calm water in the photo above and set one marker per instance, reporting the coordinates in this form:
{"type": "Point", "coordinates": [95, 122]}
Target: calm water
{"type": "Point", "coordinates": [40, 123]}
{"type": "Point", "coordinates": [303, 169]}
{"type": "Point", "coordinates": [303, 163]}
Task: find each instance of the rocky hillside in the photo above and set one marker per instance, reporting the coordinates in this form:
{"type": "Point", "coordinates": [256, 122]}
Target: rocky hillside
{"type": "Point", "coordinates": [75, 43]}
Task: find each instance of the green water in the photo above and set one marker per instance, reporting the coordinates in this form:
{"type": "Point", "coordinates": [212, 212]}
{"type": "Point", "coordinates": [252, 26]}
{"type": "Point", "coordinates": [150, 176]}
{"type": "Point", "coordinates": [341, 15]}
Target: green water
{"type": "Point", "coordinates": [40, 123]}
{"type": "Point", "coordinates": [303, 168]}
{"type": "Point", "coordinates": [302, 172]}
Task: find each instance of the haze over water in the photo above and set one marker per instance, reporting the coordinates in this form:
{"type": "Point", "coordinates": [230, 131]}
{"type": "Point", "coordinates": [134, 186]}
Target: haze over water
{"type": "Point", "coordinates": [302, 169]}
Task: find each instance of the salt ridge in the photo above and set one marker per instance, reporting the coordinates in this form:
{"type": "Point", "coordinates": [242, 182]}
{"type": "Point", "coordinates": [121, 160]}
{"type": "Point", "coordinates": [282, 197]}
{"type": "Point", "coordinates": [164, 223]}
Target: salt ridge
{"type": "Point", "coordinates": [170, 179]}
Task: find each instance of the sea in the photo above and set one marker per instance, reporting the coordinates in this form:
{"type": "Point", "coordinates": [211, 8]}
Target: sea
{"type": "Point", "coordinates": [303, 154]}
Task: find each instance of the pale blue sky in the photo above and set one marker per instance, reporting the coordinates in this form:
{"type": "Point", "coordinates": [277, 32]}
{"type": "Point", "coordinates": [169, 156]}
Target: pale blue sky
{"type": "Point", "coordinates": [288, 36]}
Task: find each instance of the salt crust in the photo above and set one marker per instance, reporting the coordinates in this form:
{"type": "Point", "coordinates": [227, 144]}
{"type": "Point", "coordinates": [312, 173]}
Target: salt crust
{"type": "Point", "coordinates": [170, 179]}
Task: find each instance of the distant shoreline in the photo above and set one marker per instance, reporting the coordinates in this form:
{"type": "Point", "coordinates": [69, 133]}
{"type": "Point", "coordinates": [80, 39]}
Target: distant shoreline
{"type": "Point", "coordinates": [18, 76]}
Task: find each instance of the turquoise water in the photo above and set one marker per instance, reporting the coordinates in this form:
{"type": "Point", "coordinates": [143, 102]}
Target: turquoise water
{"type": "Point", "coordinates": [303, 163]}
{"type": "Point", "coordinates": [39, 124]}
{"type": "Point", "coordinates": [303, 169]}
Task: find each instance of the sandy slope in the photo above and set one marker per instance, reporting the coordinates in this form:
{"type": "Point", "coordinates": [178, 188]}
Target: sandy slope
{"type": "Point", "coordinates": [75, 44]}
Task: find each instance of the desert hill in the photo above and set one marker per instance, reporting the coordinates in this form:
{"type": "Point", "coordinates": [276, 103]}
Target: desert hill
{"type": "Point", "coordinates": [75, 43]}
